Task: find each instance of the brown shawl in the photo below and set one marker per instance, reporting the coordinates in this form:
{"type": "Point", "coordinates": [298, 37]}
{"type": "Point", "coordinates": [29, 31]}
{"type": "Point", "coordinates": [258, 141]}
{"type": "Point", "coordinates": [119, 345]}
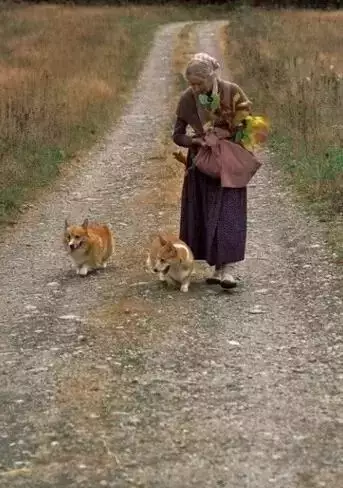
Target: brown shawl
{"type": "Point", "coordinates": [234, 106]}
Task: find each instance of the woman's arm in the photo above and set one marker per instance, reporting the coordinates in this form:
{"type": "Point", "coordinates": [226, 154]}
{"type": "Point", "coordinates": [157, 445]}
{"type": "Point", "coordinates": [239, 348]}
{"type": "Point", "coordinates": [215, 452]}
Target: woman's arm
{"type": "Point", "coordinates": [179, 134]}
{"type": "Point", "coordinates": [181, 138]}
{"type": "Point", "coordinates": [241, 104]}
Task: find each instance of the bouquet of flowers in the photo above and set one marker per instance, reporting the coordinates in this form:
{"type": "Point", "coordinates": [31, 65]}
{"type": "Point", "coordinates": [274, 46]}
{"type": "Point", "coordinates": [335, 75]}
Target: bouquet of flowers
{"type": "Point", "coordinates": [252, 132]}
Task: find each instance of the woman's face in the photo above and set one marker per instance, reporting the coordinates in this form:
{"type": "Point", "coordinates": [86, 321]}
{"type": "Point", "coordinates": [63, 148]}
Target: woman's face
{"type": "Point", "coordinates": [200, 85]}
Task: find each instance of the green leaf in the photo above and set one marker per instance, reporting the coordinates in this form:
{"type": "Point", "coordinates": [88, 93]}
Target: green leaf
{"type": "Point", "coordinates": [215, 102]}
{"type": "Point", "coordinates": [203, 99]}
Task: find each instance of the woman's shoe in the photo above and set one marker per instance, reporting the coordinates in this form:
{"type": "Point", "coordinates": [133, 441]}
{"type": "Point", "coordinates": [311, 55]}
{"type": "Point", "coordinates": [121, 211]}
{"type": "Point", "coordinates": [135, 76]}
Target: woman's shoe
{"type": "Point", "coordinates": [216, 277]}
{"type": "Point", "coordinates": [228, 281]}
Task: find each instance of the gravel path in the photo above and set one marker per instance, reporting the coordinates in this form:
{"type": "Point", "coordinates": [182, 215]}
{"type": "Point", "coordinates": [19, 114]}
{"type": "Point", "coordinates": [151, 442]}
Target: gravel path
{"type": "Point", "coordinates": [114, 381]}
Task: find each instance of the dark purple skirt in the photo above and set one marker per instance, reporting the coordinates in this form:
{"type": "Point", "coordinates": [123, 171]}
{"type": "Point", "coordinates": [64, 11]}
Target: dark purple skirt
{"type": "Point", "coordinates": [213, 219]}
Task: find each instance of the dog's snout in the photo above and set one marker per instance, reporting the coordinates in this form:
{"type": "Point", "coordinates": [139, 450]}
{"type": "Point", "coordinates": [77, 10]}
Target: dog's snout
{"type": "Point", "coordinates": [155, 270]}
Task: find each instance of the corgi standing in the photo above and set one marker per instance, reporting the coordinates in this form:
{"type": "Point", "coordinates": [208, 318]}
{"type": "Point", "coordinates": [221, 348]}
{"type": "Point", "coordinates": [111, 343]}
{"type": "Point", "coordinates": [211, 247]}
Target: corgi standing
{"type": "Point", "coordinates": [89, 245]}
{"type": "Point", "coordinates": [172, 259]}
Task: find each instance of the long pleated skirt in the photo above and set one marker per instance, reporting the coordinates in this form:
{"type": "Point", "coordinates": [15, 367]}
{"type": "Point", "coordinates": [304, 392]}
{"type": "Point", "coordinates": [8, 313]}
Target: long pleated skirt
{"type": "Point", "coordinates": [213, 219]}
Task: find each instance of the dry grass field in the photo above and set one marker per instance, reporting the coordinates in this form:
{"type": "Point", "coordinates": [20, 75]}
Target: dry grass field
{"type": "Point", "coordinates": [65, 74]}
{"type": "Point", "coordinates": [290, 63]}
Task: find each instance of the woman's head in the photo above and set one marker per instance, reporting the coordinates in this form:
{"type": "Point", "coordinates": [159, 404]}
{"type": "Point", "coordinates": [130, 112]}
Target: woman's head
{"type": "Point", "coordinates": [201, 72]}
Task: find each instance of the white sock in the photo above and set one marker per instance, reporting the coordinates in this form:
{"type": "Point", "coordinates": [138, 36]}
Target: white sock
{"type": "Point", "coordinates": [217, 273]}
{"type": "Point", "coordinates": [227, 273]}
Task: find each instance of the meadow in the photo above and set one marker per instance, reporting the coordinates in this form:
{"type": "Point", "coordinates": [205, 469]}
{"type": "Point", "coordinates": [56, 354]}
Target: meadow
{"type": "Point", "coordinates": [65, 75]}
{"type": "Point", "coordinates": [290, 63]}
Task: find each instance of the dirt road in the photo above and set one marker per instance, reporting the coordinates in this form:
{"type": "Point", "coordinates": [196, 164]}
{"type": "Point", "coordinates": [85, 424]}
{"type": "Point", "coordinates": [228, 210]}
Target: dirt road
{"type": "Point", "coordinates": [114, 381]}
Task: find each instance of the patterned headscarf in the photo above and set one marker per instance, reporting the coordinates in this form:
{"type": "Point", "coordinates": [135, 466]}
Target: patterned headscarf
{"type": "Point", "coordinates": [203, 66]}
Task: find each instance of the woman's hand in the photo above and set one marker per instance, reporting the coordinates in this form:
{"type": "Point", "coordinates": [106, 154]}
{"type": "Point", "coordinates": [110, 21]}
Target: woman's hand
{"type": "Point", "coordinates": [199, 141]}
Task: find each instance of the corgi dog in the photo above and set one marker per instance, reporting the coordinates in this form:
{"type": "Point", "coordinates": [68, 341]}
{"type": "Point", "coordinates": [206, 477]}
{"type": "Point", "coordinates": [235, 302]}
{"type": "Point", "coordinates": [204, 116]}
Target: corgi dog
{"type": "Point", "coordinates": [172, 259]}
{"type": "Point", "coordinates": [88, 245]}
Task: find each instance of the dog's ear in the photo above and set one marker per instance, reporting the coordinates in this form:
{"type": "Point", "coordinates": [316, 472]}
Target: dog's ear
{"type": "Point", "coordinates": [163, 241]}
{"type": "Point", "coordinates": [66, 224]}
{"type": "Point", "coordinates": [174, 250]}
{"type": "Point", "coordinates": [171, 249]}
{"type": "Point", "coordinates": [85, 224]}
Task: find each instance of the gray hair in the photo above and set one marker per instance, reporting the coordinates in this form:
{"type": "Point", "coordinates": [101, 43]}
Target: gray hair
{"type": "Point", "coordinates": [203, 66]}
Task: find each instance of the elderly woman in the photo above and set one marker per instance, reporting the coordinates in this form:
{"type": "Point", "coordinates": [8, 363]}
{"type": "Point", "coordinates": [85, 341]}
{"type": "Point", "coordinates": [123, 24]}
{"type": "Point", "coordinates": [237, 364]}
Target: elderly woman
{"type": "Point", "coordinates": [213, 218]}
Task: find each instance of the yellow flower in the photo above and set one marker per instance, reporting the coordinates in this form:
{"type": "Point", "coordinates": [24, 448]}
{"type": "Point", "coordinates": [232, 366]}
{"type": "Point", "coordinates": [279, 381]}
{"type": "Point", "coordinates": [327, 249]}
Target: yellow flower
{"type": "Point", "coordinates": [254, 132]}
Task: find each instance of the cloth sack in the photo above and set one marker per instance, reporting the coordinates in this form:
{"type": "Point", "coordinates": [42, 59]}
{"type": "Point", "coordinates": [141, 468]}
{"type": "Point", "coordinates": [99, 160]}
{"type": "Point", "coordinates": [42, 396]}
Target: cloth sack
{"type": "Point", "coordinates": [226, 160]}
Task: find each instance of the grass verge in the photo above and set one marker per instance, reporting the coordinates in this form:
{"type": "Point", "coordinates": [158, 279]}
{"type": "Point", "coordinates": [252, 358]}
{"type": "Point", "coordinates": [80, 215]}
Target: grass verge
{"type": "Point", "coordinates": [66, 73]}
{"type": "Point", "coordinates": [290, 64]}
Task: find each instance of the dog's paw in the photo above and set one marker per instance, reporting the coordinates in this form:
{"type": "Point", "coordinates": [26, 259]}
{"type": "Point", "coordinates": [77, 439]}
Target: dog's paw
{"type": "Point", "coordinates": [83, 271]}
{"type": "Point", "coordinates": [162, 277]}
{"type": "Point", "coordinates": [184, 287]}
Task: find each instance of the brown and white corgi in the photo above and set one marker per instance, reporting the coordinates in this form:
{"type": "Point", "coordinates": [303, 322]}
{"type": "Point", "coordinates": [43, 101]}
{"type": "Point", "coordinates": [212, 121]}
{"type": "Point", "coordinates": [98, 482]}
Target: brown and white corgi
{"type": "Point", "coordinates": [172, 259]}
{"type": "Point", "coordinates": [89, 245]}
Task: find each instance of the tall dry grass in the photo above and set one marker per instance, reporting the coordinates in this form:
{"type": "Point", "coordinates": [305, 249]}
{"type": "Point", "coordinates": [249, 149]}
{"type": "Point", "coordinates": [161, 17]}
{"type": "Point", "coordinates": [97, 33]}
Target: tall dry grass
{"type": "Point", "coordinates": [291, 64]}
{"type": "Point", "coordinates": [65, 73]}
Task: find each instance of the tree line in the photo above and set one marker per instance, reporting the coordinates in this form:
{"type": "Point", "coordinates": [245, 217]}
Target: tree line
{"type": "Point", "coordinates": [314, 4]}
